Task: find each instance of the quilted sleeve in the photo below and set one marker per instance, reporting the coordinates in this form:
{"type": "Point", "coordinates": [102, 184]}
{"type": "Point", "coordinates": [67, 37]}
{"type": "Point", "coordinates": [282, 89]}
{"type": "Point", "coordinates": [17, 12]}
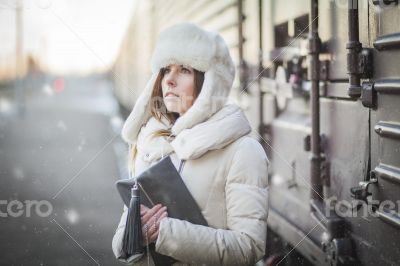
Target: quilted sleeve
{"type": "Point", "coordinates": [244, 241]}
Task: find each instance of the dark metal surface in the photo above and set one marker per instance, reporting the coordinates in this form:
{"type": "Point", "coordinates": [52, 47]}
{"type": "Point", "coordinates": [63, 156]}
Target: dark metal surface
{"type": "Point", "coordinates": [387, 42]}
{"type": "Point", "coordinates": [314, 49]}
{"type": "Point", "coordinates": [388, 129]}
{"type": "Point", "coordinates": [368, 95]}
{"type": "Point", "coordinates": [390, 217]}
{"type": "Point", "coordinates": [387, 86]}
{"type": "Point", "coordinates": [388, 172]}
{"type": "Point", "coordinates": [360, 135]}
{"type": "Point", "coordinates": [385, 2]}
{"type": "Point", "coordinates": [354, 46]}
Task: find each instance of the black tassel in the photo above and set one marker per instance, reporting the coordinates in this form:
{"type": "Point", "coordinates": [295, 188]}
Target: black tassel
{"type": "Point", "coordinates": [132, 242]}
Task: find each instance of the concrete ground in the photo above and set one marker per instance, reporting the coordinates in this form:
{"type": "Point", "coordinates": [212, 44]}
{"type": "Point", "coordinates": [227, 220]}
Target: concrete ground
{"type": "Point", "coordinates": [59, 159]}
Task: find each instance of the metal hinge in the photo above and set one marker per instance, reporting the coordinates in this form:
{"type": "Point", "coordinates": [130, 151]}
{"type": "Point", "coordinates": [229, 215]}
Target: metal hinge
{"type": "Point", "coordinates": [361, 62]}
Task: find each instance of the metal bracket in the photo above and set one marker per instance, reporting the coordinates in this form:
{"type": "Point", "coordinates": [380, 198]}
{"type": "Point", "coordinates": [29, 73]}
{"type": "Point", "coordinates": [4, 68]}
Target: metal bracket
{"type": "Point", "coordinates": [368, 95]}
{"type": "Point", "coordinates": [360, 63]}
{"type": "Point", "coordinates": [307, 142]}
{"type": "Point", "coordinates": [337, 247]}
{"type": "Point", "coordinates": [324, 70]}
{"type": "Point", "coordinates": [359, 60]}
{"type": "Point", "coordinates": [361, 191]}
{"type": "Point", "coordinates": [365, 62]}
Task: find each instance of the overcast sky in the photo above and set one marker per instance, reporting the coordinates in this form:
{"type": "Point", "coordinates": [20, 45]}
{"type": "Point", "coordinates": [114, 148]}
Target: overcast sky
{"type": "Point", "coordinates": [67, 35]}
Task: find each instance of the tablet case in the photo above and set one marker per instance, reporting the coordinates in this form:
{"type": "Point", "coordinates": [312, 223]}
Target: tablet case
{"type": "Point", "coordinates": [162, 184]}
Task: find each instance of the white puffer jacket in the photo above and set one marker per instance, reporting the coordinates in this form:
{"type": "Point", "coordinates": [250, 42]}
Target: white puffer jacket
{"type": "Point", "coordinates": [225, 169]}
{"type": "Point", "coordinates": [226, 172]}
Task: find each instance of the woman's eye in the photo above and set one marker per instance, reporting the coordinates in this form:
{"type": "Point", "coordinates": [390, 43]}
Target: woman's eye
{"type": "Point", "coordinates": [185, 70]}
{"type": "Point", "coordinates": [166, 70]}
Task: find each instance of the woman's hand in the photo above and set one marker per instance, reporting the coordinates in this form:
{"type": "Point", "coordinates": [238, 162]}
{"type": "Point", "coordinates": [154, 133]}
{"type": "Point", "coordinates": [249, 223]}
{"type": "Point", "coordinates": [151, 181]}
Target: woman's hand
{"type": "Point", "coordinates": [151, 219]}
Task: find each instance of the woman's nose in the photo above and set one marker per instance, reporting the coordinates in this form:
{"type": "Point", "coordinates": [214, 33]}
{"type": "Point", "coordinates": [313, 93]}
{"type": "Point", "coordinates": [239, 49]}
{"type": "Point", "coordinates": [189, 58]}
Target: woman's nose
{"type": "Point", "coordinates": [170, 82]}
{"type": "Point", "coordinates": [170, 78]}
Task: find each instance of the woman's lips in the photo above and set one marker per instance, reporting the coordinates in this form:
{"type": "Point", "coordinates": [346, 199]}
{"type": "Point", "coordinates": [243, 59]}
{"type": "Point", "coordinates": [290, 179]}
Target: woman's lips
{"type": "Point", "coordinates": [170, 94]}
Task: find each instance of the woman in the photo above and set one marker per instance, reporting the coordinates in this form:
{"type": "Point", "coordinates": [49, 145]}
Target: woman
{"type": "Point", "coordinates": [183, 112]}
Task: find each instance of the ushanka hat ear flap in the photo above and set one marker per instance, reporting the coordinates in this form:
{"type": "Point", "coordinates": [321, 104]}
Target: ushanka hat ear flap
{"type": "Point", "coordinates": [140, 114]}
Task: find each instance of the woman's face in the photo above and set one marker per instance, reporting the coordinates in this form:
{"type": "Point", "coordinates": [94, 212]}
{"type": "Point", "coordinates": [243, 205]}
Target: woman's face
{"type": "Point", "coordinates": [178, 88]}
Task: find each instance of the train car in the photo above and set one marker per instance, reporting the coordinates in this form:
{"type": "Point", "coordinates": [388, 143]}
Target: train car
{"type": "Point", "coordinates": [320, 83]}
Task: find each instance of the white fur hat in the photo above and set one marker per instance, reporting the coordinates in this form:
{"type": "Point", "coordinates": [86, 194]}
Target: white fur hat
{"type": "Point", "coordinates": [187, 44]}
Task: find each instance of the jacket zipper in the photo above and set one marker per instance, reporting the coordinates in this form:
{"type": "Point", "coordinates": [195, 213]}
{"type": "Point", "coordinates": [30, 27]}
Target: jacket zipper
{"type": "Point", "coordinates": [180, 169]}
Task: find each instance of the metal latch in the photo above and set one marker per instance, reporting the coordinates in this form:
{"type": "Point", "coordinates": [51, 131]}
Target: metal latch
{"type": "Point", "coordinates": [361, 192]}
{"type": "Point", "coordinates": [368, 95]}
